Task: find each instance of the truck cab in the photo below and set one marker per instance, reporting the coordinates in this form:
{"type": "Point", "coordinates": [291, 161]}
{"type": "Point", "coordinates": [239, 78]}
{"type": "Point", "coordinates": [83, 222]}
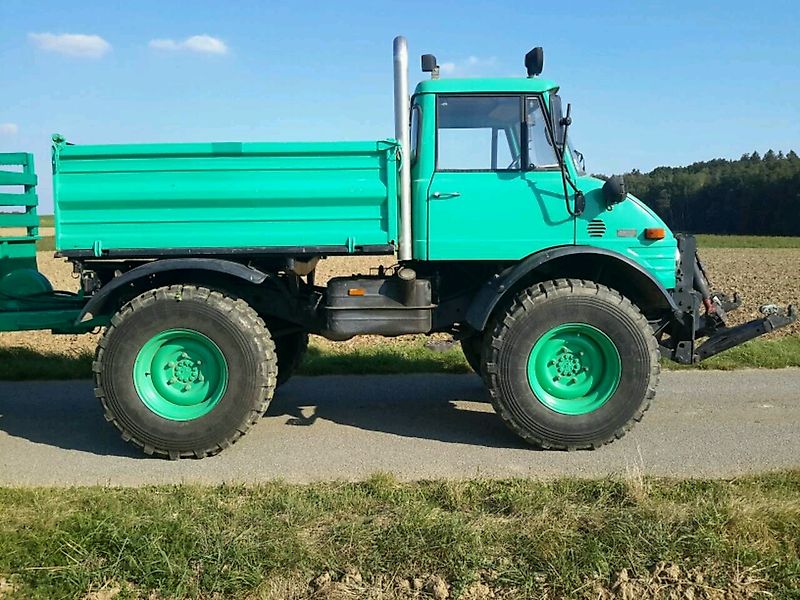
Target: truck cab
{"type": "Point", "coordinates": [487, 181]}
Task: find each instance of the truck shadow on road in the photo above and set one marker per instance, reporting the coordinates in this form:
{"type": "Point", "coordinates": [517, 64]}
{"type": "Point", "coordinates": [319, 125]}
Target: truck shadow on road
{"type": "Point", "coordinates": [62, 414]}
{"type": "Point", "coordinates": [444, 408]}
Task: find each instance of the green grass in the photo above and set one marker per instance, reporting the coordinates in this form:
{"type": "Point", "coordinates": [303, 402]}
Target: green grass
{"type": "Point", "coordinates": [523, 538]}
{"type": "Point", "coordinates": [46, 244]}
{"type": "Point", "coordinates": [398, 357]}
{"type": "Point", "coordinates": [746, 241]}
{"type": "Point", "coordinates": [20, 364]}
{"type": "Point", "coordinates": [393, 357]}
{"type": "Point", "coordinates": [758, 354]}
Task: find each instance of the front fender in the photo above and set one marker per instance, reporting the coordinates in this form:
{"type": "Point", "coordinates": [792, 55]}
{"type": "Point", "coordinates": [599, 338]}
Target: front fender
{"type": "Point", "coordinates": [490, 295]}
{"type": "Point", "coordinates": [228, 268]}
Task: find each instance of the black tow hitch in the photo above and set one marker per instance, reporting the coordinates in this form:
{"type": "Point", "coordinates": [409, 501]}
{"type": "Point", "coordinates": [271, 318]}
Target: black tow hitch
{"type": "Point", "coordinates": [728, 337]}
{"type": "Point", "coordinates": [679, 338]}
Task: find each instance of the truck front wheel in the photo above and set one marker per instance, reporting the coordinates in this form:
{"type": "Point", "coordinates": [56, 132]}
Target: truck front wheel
{"type": "Point", "coordinates": [570, 365]}
{"type": "Point", "coordinates": [184, 371]}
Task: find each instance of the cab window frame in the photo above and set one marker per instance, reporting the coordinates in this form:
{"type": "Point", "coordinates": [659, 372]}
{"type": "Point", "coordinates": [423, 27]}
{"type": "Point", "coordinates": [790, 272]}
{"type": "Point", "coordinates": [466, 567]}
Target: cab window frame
{"type": "Point", "coordinates": [522, 131]}
{"type": "Point", "coordinates": [549, 133]}
{"type": "Point", "coordinates": [415, 137]}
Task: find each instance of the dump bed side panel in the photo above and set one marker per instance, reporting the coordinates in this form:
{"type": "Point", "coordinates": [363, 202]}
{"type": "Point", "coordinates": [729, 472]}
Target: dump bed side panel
{"type": "Point", "coordinates": [272, 196]}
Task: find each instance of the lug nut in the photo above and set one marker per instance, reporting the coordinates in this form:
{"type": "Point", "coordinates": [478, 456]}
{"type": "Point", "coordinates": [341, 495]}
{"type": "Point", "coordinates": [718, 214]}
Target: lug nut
{"type": "Point", "coordinates": [172, 380]}
{"type": "Point", "coordinates": [187, 387]}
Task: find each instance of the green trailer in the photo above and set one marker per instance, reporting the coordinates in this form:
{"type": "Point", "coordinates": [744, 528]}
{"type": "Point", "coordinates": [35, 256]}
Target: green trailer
{"type": "Point", "coordinates": [199, 262]}
{"type": "Point", "coordinates": [27, 300]}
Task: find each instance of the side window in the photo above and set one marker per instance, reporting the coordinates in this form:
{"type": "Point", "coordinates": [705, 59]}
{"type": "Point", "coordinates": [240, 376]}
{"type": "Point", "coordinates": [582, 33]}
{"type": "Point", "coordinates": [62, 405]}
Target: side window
{"type": "Point", "coordinates": [478, 133]}
{"type": "Point", "coordinates": [541, 154]}
{"type": "Point", "coordinates": [414, 134]}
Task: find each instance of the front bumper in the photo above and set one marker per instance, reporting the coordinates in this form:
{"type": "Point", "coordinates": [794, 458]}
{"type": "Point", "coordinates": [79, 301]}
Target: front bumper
{"type": "Point", "coordinates": [700, 313]}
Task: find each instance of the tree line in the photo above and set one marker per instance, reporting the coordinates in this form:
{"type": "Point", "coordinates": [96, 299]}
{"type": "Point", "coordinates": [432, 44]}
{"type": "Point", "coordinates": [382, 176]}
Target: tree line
{"type": "Point", "coordinates": [754, 195]}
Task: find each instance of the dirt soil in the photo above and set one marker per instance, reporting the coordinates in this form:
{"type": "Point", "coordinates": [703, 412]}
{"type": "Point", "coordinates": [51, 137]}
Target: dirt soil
{"type": "Point", "coordinates": [23, 231]}
{"type": "Point", "coordinates": [761, 276]}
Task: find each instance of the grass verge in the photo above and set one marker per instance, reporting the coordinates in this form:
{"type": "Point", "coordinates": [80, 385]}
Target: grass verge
{"type": "Point", "coordinates": [516, 538]}
{"type": "Point", "coordinates": [746, 241]}
{"type": "Point", "coordinates": [22, 364]}
{"type": "Point", "coordinates": [46, 244]}
{"type": "Point", "coordinates": [399, 357]}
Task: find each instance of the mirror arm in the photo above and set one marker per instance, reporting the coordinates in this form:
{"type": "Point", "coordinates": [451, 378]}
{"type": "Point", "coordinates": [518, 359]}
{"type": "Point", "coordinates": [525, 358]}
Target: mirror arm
{"type": "Point", "coordinates": [580, 203]}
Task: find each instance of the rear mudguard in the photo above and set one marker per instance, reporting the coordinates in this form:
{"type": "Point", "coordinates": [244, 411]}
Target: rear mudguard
{"type": "Point", "coordinates": [228, 268]}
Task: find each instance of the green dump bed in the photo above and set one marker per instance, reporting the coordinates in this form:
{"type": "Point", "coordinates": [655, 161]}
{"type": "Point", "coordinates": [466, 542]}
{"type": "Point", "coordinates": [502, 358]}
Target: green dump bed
{"type": "Point", "coordinates": [219, 198]}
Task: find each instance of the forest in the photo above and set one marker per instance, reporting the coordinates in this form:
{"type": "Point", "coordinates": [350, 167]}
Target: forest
{"type": "Point", "coordinates": [754, 195]}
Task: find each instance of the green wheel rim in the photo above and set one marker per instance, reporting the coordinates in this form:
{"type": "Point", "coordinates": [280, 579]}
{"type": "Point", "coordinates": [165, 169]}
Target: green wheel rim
{"type": "Point", "coordinates": [180, 374]}
{"type": "Point", "coordinates": [574, 369]}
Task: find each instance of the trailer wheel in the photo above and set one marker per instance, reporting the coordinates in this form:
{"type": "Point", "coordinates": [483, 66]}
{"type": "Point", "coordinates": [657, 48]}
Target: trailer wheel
{"type": "Point", "coordinates": [471, 347]}
{"type": "Point", "coordinates": [184, 371]}
{"type": "Point", "coordinates": [571, 365]}
{"type": "Point", "coordinates": [290, 350]}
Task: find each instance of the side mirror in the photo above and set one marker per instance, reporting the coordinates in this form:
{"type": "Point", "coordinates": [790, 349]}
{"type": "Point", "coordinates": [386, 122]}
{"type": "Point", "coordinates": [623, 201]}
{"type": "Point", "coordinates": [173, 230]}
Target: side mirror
{"type": "Point", "coordinates": [428, 63]}
{"type": "Point", "coordinates": [534, 62]}
{"type": "Point", "coordinates": [614, 190]}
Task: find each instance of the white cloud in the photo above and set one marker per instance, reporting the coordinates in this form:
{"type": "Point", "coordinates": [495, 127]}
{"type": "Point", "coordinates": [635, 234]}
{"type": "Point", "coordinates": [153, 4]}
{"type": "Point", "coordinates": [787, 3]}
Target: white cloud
{"type": "Point", "coordinates": [472, 66]}
{"type": "Point", "coordinates": [8, 129]}
{"type": "Point", "coordinates": [72, 44]}
{"type": "Point", "coordinates": [204, 44]}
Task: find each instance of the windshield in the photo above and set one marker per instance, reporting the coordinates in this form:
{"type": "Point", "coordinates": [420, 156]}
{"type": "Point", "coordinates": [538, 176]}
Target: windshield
{"type": "Point", "coordinates": [577, 159]}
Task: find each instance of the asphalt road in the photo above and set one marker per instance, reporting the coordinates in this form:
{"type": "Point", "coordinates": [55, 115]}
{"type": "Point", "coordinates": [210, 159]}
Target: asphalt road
{"type": "Point", "coordinates": [414, 426]}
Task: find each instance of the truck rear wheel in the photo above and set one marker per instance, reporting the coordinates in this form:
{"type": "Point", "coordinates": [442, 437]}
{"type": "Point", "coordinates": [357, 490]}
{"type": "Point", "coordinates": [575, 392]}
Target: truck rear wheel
{"type": "Point", "coordinates": [184, 371]}
{"type": "Point", "coordinates": [571, 365]}
{"type": "Point", "coordinates": [290, 350]}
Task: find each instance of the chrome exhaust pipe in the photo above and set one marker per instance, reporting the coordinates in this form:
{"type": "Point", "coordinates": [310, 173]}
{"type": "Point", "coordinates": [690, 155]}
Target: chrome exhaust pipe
{"type": "Point", "coordinates": [401, 133]}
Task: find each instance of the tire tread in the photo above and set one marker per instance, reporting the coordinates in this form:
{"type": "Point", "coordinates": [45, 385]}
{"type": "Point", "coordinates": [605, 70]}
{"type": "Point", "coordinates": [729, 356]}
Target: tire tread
{"type": "Point", "coordinates": [248, 321]}
{"type": "Point", "coordinates": [527, 300]}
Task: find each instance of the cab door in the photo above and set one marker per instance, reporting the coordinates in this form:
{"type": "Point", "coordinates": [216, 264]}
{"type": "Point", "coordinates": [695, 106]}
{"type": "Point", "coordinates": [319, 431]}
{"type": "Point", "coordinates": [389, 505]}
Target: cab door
{"type": "Point", "coordinates": [496, 192]}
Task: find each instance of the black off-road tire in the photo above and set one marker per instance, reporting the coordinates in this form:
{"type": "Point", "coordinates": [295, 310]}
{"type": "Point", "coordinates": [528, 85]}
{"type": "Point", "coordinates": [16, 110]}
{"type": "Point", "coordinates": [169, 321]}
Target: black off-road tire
{"type": "Point", "coordinates": [231, 324]}
{"type": "Point", "coordinates": [540, 308]}
{"type": "Point", "coordinates": [472, 347]}
{"type": "Point", "coordinates": [290, 349]}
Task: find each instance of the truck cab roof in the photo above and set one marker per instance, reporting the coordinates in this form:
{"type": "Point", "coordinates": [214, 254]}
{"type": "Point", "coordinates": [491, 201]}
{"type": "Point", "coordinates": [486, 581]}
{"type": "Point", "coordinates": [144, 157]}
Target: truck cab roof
{"type": "Point", "coordinates": [505, 85]}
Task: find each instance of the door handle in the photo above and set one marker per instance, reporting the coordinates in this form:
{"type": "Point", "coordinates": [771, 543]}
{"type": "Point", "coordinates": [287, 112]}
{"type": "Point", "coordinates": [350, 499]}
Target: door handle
{"type": "Point", "coordinates": [439, 195]}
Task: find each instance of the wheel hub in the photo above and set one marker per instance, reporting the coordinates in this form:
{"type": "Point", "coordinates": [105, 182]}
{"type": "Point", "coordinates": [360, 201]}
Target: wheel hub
{"type": "Point", "coordinates": [186, 371]}
{"type": "Point", "coordinates": [568, 365]}
{"type": "Point", "coordinates": [574, 368]}
{"type": "Point", "coordinates": [180, 374]}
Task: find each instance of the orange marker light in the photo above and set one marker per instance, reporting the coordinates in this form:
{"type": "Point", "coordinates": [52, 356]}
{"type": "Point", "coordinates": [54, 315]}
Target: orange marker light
{"type": "Point", "coordinates": [654, 233]}
{"type": "Point", "coordinates": [356, 292]}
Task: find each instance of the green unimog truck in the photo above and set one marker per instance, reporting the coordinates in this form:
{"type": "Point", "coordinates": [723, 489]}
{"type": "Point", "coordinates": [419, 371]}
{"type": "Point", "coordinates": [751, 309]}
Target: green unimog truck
{"type": "Point", "coordinates": [198, 261]}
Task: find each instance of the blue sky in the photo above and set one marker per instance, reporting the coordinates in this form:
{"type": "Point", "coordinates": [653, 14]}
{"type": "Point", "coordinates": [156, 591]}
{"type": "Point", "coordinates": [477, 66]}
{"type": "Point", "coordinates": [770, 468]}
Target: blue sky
{"type": "Point", "coordinates": [651, 83]}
